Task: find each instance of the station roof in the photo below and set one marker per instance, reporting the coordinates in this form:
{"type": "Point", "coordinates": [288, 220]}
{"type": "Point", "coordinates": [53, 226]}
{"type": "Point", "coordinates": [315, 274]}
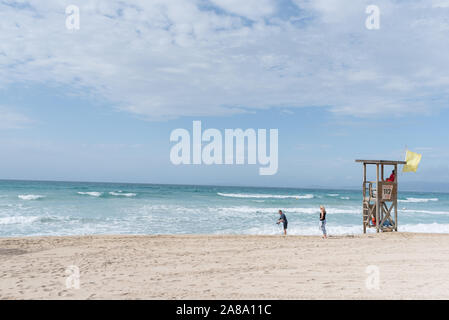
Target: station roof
{"type": "Point", "coordinates": [387, 162]}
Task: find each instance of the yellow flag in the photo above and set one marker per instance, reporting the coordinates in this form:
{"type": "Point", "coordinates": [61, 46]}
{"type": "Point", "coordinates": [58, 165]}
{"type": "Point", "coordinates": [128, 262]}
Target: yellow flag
{"type": "Point", "coordinates": [413, 160]}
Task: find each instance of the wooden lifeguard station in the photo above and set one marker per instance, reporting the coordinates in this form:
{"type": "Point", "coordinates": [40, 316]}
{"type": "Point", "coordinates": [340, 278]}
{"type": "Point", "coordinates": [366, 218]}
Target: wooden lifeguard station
{"type": "Point", "coordinates": [380, 197]}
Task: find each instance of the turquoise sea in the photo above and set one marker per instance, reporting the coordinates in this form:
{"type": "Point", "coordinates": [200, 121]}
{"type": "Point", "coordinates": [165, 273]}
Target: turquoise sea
{"type": "Point", "coordinates": [30, 208]}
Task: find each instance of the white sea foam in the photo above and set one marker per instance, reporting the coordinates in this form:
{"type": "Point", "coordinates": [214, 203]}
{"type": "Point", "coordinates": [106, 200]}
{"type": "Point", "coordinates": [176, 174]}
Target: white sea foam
{"type": "Point", "coordinates": [91, 193]}
{"type": "Point", "coordinates": [345, 198]}
{"type": "Point", "coordinates": [416, 200]}
{"type": "Point", "coordinates": [424, 211]}
{"type": "Point", "coordinates": [265, 196]}
{"type": "Point", "coordinates": [18, 220]}
{"type": "Point", "coordinates": [310, 210]}
{"type": "Point", "coordinates": [244, 211]}
{"type": "Point", "coordinates": [333, 194]}
{"type": "Point", "coordinates": [335, 229]}
{"type": "Point", "coordinates": [307, 230]}
{"type": "Point", "coordinates": [425, 228]}
{"type": "Point", "coordinates": [30, 196]}
{"type": "Point", "coordinates": [122, 194]}
{"type": "Point", "coordinates": [340, 230]}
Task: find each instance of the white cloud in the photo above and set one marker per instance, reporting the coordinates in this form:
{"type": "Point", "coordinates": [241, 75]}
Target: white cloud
{"type": "Point", "coordinates": [10, 119]}
{"type": "Point", "coordinates": [333, 11]}
{"type": "Point", "coordinates": [440, 4]}
{"type": "Point", "coordinates": [252, 9]}
{"type": "Point", "coordinates": [164, 59]}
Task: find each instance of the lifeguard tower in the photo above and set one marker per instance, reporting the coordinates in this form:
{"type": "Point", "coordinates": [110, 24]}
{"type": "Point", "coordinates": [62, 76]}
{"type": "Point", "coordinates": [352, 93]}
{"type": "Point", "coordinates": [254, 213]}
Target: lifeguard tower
{"type": "Point", "coordinates": [380, 197]}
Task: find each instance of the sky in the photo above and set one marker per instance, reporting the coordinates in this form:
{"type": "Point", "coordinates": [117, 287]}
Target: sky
{"type": "Point", "coordinates": [98, 103]}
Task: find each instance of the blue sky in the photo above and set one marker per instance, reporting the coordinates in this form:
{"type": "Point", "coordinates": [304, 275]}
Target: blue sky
{"type": "Point", "coordinates": [99, 103]}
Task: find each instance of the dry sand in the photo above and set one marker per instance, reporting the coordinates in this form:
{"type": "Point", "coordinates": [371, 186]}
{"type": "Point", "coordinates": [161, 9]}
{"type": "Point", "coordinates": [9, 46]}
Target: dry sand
{"type": "Point", "coordinates": [226, 267]}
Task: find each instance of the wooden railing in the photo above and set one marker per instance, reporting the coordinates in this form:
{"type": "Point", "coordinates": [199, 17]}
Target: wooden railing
{"type": "Point", "coordinates": [371, 187]}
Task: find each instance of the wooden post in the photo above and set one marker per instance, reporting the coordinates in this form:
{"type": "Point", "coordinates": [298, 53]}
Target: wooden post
{"type": "Point", "coordinates": [377, 199]}
{"type": "Point", "coordinates": [363, 199]}
{"type": "Point", "coordinates": [364, 172]}
{"type": "Point", "coordinates": [381, 212]}
{"type": "Point", "coordinates": [396, 198]}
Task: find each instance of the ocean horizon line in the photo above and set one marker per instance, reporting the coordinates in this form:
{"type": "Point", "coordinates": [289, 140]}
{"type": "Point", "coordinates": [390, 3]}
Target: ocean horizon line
{"type": "Point", "coordinates": [349, 188]}
{"type": "Point", "coordinates": [310, 187]}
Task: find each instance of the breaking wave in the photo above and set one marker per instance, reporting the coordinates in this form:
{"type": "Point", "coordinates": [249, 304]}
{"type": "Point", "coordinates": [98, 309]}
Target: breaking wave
{"type": "Point", "coordinates": [18, 220]}
{"type": "Point", "coordinates": [416, 200]}
{"type": "Point", "coordinates": [265, 196]}
{"type": "Point", "coordinates": [30, 196]}
{"type": "Point", "coordinates": [122, 194]}
{"type": "Point", "coordinates": [91, 193]}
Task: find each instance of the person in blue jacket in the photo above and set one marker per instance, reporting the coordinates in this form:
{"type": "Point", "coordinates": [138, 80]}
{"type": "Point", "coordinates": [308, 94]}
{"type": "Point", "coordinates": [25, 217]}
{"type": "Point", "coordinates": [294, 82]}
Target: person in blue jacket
{"type": "Point", "coordinates": [284, 221]}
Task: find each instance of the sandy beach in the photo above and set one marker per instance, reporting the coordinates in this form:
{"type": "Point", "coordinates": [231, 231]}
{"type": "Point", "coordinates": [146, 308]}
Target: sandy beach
{"type": "Point", "coordinates": [410, 266]}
